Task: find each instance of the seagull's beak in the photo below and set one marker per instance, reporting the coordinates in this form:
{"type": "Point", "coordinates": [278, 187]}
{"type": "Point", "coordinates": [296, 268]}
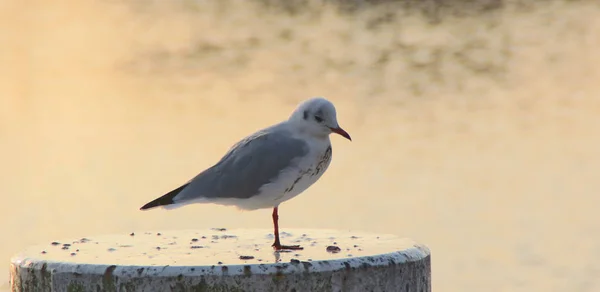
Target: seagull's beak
{"type": "Point", "coordinates": [342, 133]}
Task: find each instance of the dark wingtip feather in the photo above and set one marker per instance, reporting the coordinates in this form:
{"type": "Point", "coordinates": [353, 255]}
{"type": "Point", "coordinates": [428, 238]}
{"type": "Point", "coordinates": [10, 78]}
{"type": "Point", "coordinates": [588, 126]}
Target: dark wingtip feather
{"type": "Point", "coordinates": [164, 200]}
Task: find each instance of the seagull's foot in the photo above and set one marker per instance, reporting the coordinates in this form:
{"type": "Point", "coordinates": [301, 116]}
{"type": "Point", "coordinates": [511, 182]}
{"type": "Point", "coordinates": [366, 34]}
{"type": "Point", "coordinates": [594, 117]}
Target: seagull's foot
{"type": "Point", "coordinates": [278, 247]}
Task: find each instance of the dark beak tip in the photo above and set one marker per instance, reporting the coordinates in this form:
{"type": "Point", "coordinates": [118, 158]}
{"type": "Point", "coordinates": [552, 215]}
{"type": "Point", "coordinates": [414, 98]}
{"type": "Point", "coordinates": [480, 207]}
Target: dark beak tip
{"type": "Point", "coordinates": [347, 136]}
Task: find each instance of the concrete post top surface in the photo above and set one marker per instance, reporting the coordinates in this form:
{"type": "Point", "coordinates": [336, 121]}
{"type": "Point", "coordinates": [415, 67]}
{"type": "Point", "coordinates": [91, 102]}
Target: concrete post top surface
{"type": "Point", "coordinates": [202, 251]}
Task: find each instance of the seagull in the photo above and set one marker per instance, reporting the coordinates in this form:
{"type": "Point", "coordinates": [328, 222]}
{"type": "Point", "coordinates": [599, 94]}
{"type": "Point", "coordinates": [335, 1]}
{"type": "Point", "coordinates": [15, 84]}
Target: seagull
{"type": "Point", "coordinates": [268, 167]}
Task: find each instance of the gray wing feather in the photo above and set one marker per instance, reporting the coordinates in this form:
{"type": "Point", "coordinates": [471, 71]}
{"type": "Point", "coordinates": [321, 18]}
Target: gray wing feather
{"type": "Point", "coordinates": [247, 166]}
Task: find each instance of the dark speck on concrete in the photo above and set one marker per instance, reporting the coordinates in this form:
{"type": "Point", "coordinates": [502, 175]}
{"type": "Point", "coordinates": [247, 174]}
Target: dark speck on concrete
{"type": "Point", "coordinates": [131, 234]}
{"type": "Point", "coordinates": [194, 239]}
{"type": "Point", "coordinates": [247, 271]}
{"type": "Point", "coordinates": [246, 257]}
{"type": "Point", "coordinates": [72, 254]}
{"type": "Point", "coordinates": [65, 247]}
{"type": "Point", "coordinates": [55, 243]}
{"type": "Point", "coordinates": [333, 249]}
{"type": "Point", "coordinates": [334, 242]}
{"type": "Point", "coordinates": [84, 240]}
{"type": "Point", "coordinates": [158, 247]}
{"type": "Point", "coordinates": [108, 274]}
{"type": "Point", "coordinates": [66, 244]}
{"type": "Point", "coordinates": [355, 245]}
{"type": "Point", "coordinates": [159, 234]}
{"type": "Point", "coordinates": [111, 249]}
{"type": "Point", "coordinates": [77, 250]}
{"type": "Point", "coordinates": [43, 252]}
{"type": "Point", "coordinates": [228, 236]}
{"type": "Point", "coordinates": [215, 237]}
{"type": "Point", "coordinates": [219, 263]}
{"type": "Point", "coordinates": [219, 229]}
{"type": "Point", "coordinates": [196, 246]}
{"type": "Point", "coordinates": [354, 237]}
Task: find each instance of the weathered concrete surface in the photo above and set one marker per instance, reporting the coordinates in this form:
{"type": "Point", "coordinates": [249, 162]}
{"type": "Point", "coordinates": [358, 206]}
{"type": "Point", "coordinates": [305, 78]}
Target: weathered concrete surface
{"type": "Point", "coordinates": [225, 260]}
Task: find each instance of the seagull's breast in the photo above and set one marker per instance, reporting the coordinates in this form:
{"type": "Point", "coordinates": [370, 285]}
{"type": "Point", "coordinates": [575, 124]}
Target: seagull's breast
{"type": "Point", "coordinates": [323, 163]}
{"type": "Point", "coordinates": [295, 180]}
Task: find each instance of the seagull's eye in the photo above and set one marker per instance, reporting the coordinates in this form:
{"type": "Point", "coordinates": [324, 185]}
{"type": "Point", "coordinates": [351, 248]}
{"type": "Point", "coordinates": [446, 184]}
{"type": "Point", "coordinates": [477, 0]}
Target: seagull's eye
{"type": "Point", "coordinates": [318, 119]}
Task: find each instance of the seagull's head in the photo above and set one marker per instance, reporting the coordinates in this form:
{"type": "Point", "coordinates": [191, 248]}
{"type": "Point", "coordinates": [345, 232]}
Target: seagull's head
{"type": "Point", "coordinates": [317, 116]}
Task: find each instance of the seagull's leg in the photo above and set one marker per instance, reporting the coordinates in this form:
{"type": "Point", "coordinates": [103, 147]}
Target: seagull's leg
{"type": "Point", "coordinates": [277, 244]}
{"type": "Point", "coordinates": [276, 226]}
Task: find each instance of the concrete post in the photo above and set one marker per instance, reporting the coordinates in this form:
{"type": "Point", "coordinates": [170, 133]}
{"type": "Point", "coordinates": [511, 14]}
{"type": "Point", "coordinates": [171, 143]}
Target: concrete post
{"type": "Point", "coordinates": [225, 260]}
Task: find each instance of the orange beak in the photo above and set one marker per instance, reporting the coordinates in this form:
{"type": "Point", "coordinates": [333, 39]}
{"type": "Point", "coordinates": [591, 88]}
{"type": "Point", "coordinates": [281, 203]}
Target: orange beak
{"type": "Point", "coordinates": [341, 132]}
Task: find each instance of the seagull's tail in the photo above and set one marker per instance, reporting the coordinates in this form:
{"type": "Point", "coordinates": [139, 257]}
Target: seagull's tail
{"type": "Point", "coordinates": [164, 200]}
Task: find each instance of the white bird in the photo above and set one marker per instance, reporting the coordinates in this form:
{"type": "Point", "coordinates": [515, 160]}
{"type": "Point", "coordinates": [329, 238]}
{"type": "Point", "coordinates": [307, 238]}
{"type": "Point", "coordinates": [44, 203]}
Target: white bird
{"type": "Point", "coordinates": [268, 167]}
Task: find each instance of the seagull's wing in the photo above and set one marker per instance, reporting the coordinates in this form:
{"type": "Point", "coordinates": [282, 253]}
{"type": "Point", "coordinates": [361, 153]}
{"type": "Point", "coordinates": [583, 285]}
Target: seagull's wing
{"type": "Point", "coordinates": [246, 167]}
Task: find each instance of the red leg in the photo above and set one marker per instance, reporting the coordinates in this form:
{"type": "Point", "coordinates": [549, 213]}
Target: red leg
{"type": "Point", "coordinates": [277, 245]}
